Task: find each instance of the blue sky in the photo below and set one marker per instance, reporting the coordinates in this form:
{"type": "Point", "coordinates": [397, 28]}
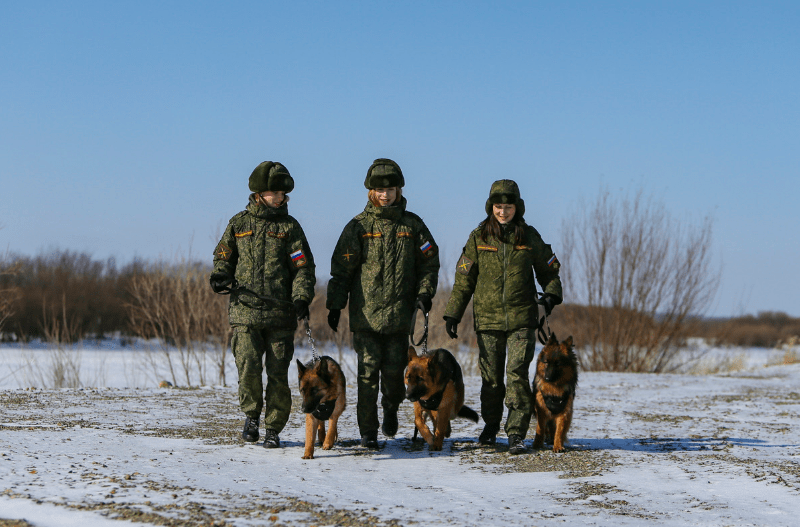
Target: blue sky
{"type": "Point", "coordinates": [130, 128]}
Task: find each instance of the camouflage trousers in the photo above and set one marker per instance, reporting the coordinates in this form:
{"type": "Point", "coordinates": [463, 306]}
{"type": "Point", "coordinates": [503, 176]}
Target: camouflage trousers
{"type": "Point", "coordinates": [382, 359]}
{"type": "Point", "coordinates": [517, 389]}
{"type": "Point", "coordinates": [276, 346]}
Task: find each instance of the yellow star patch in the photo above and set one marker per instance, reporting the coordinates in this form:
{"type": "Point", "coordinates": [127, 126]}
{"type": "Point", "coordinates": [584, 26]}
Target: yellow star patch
{"type": "Point", "coordinates": [464, 265]}
{"type": "Point", "coordinates": [223, 253]}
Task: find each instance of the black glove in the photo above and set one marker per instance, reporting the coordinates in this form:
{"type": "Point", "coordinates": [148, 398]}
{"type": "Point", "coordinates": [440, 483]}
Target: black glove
{"type": "Point", "coordinates": [301, 308]}
{"type": "Point", "coordinates": [333, 318]}
{"type": "Point", "coordinates": [548, 301]}
{"type": "Point", "coordinates": [220, 282]}
{"type": "Point", "coordinates": [451, 326]}
{"type": "Point", "coordinates": [425, 300]}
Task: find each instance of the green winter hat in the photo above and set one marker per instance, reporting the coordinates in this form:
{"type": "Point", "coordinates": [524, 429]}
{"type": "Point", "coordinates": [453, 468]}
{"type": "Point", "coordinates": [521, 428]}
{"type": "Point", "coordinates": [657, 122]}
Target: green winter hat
{"type": "Point", "coordinates": [505, 191]}
{"type": "Point", "coordinates": [270, 175]}
{"type": "Point", "coordinates": [384, 173]}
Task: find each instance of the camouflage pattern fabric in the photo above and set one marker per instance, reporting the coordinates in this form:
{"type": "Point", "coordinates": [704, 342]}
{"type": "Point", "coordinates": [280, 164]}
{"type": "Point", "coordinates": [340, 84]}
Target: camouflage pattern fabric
{"type": "Point", "coordinates": [276, 347]}
{"type": "Point", "coordinates": [500, 277]}
{"type": "Point", "coordinates": [266, 251]}
{"type": "Point", "coordinates": [516, 392]}
{"type": "Point", "coordinates": [384, 259]}
{"type": "Point", "coordinates": [384, 357]}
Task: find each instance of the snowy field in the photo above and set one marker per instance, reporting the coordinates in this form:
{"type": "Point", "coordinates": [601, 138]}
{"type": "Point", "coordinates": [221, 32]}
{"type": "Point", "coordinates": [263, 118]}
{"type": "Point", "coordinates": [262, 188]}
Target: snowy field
{"type": "Point", "coordinates": [677, 449]}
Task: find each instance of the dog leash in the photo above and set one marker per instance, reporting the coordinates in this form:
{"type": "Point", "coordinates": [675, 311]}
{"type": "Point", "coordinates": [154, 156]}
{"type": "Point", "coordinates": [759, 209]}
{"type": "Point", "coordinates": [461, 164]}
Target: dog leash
{"type": "Point", "coordinates": [540, 329]}
{"type": "Point", "coordinates": [423, 341]}
{"type": "Point", "coordinates": [314, 356]}
{"type": "Point", "coordinates": [234, 287]}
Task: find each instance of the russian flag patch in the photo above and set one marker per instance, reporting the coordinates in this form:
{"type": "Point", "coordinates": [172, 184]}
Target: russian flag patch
{"type": "Point", "coordinates": [552, 260]}
{"type": "Point", "coordinates": [425, 247]}
{"type": "Point", "coordinates": [297, 255]}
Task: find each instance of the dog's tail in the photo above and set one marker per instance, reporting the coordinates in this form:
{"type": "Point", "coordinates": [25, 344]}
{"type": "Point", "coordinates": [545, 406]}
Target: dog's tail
{"type": "Point", "coordinates": [468, 413]}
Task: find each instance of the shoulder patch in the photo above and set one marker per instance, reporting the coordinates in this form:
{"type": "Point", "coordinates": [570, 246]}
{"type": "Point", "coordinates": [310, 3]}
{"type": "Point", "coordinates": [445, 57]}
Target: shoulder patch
{"type": "Point", "coordinates": [298, 258]}
{"type": "Point", "coordinates": [222, 252]}
{"type": "Point", "coordinates": [553, 260]}
{"type": "Point", "coordinates": [464, 265]}
{"type": "Point", "coordinates": [427, 249]}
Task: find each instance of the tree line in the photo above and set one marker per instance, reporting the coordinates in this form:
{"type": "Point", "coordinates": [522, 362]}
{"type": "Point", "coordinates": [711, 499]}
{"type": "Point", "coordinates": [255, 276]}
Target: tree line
{"type": "Point", "coordinates": [637, 283]}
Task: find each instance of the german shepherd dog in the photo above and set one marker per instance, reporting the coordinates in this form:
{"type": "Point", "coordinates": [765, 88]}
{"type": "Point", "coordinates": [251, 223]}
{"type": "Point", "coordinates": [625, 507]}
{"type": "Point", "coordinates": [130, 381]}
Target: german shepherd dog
{"type": "Point", "coordinates": [435, 384]}
{"type": "Point", "coordinates": [554, 391]}
{"type": "Point", "coordinates": [322, 385]}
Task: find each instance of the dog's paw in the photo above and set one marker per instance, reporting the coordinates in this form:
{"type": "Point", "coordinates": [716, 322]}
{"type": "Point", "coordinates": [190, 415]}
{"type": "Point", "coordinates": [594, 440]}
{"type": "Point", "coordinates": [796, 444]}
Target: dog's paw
{"type": "Point", "coordinates": [308, 456]}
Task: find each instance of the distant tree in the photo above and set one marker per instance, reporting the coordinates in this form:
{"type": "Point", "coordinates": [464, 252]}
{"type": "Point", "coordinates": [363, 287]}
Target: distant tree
{"type": "Point", "coordinates": [8, 291]}
{"type": "Point", "coordinates": [640, 277]}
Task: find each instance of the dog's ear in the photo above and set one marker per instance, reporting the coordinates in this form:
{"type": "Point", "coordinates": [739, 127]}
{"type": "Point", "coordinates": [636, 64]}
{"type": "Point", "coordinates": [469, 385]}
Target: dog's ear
{"type": "Point", "coordinates": [553, 339]}
{"type": "Point", "coordinates": [445, 366]}
{"type": "Point", "coordinates": [434, 364]}
{"type": "Point", "coordinates": [412, 353]}
{"type": "Point", "coordinates": [300, 368]}
{"type": "Point", "coordinates": [568, 342]}
{"type": "Point", "coordinates": [321, 368]}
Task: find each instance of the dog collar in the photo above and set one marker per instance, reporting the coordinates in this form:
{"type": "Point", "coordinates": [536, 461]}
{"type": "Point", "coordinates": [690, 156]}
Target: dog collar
{"type": "Point", "coordinates": [433, 402]}
{"type": "Point", "coordinates": [324, 411]}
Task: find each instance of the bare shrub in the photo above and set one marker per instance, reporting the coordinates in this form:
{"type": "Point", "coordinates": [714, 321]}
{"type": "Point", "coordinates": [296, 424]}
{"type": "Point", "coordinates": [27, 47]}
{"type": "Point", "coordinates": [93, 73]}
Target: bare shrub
{"type": "Point", "coordinates": [641, 278]}
{"type": "Point", "coordinates": [173, 305]}
{"type": "Point", "coordinates": [63, 368]}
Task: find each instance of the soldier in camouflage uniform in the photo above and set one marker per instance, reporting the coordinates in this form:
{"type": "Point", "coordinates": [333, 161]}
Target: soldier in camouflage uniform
{"type": "Point", "coordinates": [263, 259]}
{"type": "Point", "coordinates": [496, 269]}
{"type": "Point", "coordinates": [385, 262]}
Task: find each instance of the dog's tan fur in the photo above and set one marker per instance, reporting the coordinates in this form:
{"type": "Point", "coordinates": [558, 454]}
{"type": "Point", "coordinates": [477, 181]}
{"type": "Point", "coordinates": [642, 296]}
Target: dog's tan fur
{"type": "Point", "coordinates": [554, 392]}
{"type": "Point", "coordinates": [321, 382]}
{"type": "Point", "coordinates": [426, 377]}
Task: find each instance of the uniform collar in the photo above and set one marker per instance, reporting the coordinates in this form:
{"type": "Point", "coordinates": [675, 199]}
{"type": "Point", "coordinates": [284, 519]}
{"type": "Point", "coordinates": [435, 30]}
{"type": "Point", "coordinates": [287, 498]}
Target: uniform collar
{"type": "Point", "coordinates": [393, 212]}
{"type": "Point", "coordinates": [264, 212]}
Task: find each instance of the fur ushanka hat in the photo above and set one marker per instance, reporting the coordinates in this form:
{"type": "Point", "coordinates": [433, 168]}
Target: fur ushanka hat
{"type": "Point", "coordinates": [384, 173]}
{"type": "Point", "coordinates": [505, 191]}
{"type": "Point", "coordinates": [270, 175]}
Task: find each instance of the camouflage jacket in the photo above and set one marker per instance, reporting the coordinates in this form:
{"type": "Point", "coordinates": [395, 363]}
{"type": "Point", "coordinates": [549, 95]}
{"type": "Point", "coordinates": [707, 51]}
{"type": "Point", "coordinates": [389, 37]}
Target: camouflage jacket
{"type": "Point", "coordinates": [383, 260]}
{"type": "Point", "coordinates": [267, 253]}
{"type": "Point", "coordinates": [500, 276]}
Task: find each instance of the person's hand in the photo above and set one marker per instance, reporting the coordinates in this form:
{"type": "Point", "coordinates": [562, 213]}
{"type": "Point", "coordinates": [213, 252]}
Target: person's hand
{"type": "Point", "coordinates": [548, 302]}
{"type": "Point", "coordinates": [301, 308]}
{"type": "Point", "coordinates": [425, 300]}
{"type": "Point", "coordinates": [220, 281]}
{"type": "Point", "coordinates": [451, 326]}
{"type": "Point", "coordinates": [333, 318]}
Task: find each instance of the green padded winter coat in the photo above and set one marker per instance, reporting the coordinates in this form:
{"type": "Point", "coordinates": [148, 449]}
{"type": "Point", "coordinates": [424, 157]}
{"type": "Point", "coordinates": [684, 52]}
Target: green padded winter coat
{"type": "Point", "coordinates": [384, 259]}
{"type": "Point", "coordinates": [266, 251]}
{"type": "Point", "coordinates": [500, 277]}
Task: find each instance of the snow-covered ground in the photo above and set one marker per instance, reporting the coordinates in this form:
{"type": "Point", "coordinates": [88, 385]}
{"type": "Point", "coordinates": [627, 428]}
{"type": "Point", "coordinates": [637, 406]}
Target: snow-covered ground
{"type": "Point", "coordinates": [718, 449]}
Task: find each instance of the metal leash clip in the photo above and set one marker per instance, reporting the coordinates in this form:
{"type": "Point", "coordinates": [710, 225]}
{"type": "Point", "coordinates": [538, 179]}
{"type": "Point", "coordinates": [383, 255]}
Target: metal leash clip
{"type": "Point", "coordinates": [314, 356]}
